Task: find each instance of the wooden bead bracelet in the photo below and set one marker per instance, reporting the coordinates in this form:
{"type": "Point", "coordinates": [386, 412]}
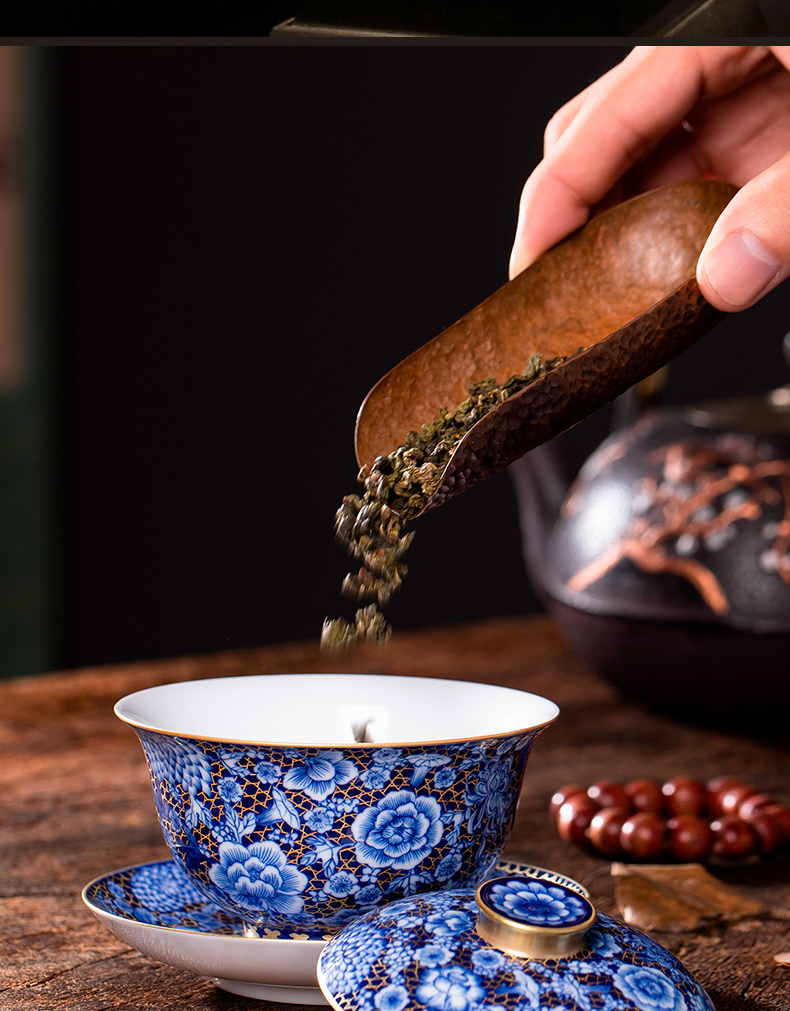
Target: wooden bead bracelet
{"type": "Point", "coordinates": [681, 819]}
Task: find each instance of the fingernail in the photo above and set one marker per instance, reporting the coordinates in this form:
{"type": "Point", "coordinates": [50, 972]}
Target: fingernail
{"type": "Point", "coordinates": [740, 267]}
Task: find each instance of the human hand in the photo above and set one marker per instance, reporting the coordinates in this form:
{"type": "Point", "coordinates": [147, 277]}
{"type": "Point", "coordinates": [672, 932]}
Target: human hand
{"type": "Point", "coordinates": [664, 115]}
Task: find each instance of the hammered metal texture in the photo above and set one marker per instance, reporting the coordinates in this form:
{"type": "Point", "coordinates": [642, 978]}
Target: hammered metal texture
{"type": "Point", "coordinates": [623, 287]}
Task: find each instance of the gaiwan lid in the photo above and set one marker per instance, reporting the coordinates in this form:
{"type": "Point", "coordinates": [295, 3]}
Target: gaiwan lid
{"type": "Point", "coordinates": [522, 941]}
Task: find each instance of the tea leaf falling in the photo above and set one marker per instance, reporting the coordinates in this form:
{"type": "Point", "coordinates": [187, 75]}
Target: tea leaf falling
{"type": "Point", "coordinates": [397, 488]}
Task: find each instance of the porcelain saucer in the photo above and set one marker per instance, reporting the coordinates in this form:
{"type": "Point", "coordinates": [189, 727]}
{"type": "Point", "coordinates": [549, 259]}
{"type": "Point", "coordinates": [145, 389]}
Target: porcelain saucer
{"type": "Point", "coordinates": [156, 909]}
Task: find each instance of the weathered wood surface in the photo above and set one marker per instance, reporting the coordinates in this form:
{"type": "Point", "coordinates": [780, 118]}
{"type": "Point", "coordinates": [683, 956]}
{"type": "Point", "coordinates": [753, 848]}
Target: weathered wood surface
{"type": "Point", "coordinates": [75, 803]}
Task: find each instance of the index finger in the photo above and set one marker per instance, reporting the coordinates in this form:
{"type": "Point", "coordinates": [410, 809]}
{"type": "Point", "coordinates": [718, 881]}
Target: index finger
{"type": "Point", "coordinates": [620, 121]}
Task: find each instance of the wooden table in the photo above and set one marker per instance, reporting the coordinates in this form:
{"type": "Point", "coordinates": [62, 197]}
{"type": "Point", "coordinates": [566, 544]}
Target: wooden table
{"type": "Point", "coordinates": [75, 802]}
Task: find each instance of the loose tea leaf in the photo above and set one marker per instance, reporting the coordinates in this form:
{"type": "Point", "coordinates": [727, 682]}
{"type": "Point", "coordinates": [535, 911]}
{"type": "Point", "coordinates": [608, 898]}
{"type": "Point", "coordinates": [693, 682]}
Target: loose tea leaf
{"type": "Point", "coordinates": [676, 897]}
{"type": "Point", "coordinates": [397, 487]}
{"type": "Point", "coordinates": [369, 626]}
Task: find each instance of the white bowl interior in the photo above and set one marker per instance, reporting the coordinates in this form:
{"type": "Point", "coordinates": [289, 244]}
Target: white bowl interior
{"type": "Point", "coordinates": [334, 709]}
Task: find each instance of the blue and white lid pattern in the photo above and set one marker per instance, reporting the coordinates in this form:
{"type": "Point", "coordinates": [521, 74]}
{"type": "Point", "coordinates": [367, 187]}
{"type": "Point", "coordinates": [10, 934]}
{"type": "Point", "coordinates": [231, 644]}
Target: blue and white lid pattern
{"type": "Point", "coordinates": [533, 916]}
{"type": "Point", "coordinates": [425, 953]}
{"type": "Point", "coordinates": [534, 903]}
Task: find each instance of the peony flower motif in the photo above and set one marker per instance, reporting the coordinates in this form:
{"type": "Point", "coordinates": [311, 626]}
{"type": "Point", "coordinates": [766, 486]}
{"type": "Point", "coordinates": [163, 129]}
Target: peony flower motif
{"type": "Point", "coordinates": [649, 988]}
{"type": "Point", "coordinates": [320, 819]}
{"type": "Point", "coordinates": [320, 774]}
{"type": "Point", "coordinates": [398, 832]}
{"type": "Point", "coordinates": [432, 955]}
{"type": "Point", "coordinates": [391, 998]}
{"type": "Point", "coordinates": [448, 866]}
{"type": "Point", "coordinates": [259, 877]}
{"type": "Point", "coordinates": [341, 885]}
{"type": "Point", "coordinates": [452, 989]}
{"type": "Point", "coordinates": [229, 790]}
{"type": "Point", "coordinates": [537, 903]}
{"type": "Point", "coordinates": [488, 961]}
{"type": "Point", "coordinates": [453, 921]}
{"type": "Point", "coordinates": [268, 772]}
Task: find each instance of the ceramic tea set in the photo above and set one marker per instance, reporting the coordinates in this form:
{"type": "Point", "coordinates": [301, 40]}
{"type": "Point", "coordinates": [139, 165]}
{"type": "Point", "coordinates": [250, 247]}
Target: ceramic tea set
{"type": "Point", "coordinates": [293, 804]}
{"type": "Point", "coordinates": [337, 838]}
{"type": "Point", "coordinates": [328, 833]}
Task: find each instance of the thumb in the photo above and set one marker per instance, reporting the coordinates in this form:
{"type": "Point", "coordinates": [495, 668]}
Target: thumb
{"type": "Point", "coordinates": [748, 251]}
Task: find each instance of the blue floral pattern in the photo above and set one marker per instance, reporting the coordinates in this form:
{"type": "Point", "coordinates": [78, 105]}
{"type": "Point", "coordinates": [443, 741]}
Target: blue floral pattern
{"type": "Point", "coordinates": [488, 795]}
{"type": "Point", "coordinates": [165, 888]}
{"type": "Point", "coordinates": [539, 903]}
{"type": "Point", "coordinates": [268, 772]}
{"type": "Point", "coordinates": [649, 988]}
{"type": "Point", "coordinates": [399, 831]}
{"type": "Point", "coordinates": [160, 894]}
{"type": "Point", "coordinates": [259, 877]}
{"type": "Point", "coordinates": [290, 838]}
{"type": "Point", "coordinates": [424, 965]}
{"type": "Point", "coordinates": [391, 998]}
{"type": "Point", "coordinates": [321, 774]}
{"type": "Point", "coordinates": [450, 989]}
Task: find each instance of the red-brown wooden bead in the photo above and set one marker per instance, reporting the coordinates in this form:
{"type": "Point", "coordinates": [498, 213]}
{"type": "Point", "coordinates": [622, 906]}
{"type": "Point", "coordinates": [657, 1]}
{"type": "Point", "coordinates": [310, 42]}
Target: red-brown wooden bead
{"type": "Point", "coordinates": [754, 803]}
{"type": "Point", "coordinates": [574, 817]}
{"type": "Point", "coordinates": [684, 795]}
{"type": "Point", "coordinates": [769, 831]}
{"type": "Point", "coordinates": [716, 787]}
{"type": "Point", "coordinates": [719, 783]}
{"type": "Point", "coordinates": [604, 831]}
{"type": "Point", "coordinates": [690, 837]}
{"type": "Point", "coordinates": [732, 799]}
{"type": "Point", "coordinates": [733, 838]}
{"type": "Point", "coordinates": [643, 835]}
{"type": "Point", "coordinates": [781, 815]}
{"type": "Point", "coordinates": [609, 794]}
{"type": "Point", "coordinates": [645, 795]}
{"type": "Point", "coordinates": [563, 794]}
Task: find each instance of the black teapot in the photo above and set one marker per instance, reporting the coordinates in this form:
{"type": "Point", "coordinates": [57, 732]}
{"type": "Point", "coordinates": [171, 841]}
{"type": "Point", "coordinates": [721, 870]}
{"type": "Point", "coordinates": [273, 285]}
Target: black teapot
{"type": "Point", "coordinates": [666, 561]}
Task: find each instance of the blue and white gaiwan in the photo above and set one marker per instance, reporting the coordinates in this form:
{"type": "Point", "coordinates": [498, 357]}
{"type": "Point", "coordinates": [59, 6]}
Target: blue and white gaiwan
{"type": "Point", "coordinates": [304, 801]}
{"type": "Point", "coordinates": [521, 943]}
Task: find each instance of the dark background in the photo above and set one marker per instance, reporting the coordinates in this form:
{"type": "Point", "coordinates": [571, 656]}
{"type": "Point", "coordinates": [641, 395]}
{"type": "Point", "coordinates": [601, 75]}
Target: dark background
{"type": "Point", "coordinates": [246, 240]}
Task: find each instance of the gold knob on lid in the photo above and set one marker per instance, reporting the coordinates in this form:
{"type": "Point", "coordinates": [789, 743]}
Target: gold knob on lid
{"type": "Point", "coordinates": [533, 916]}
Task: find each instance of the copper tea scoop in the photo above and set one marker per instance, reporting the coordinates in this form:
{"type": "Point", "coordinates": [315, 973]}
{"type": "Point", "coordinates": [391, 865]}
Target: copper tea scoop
{"type": "Point", "coordinates": [623, 288]}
